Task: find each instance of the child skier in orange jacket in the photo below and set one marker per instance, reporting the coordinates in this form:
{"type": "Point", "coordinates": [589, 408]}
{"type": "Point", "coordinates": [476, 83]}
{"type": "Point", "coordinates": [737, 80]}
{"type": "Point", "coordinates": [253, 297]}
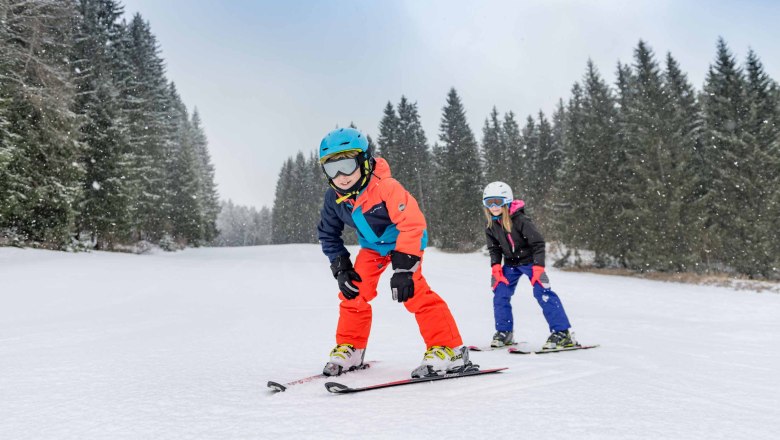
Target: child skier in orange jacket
{"type": "Point", "coordinates": [391, 230]}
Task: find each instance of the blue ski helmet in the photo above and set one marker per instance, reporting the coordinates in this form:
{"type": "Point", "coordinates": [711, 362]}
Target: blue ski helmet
{"type": "Point", "coordinates": [343, 139]}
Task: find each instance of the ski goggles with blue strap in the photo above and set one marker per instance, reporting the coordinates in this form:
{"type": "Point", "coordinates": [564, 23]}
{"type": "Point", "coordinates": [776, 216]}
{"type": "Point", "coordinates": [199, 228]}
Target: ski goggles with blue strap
{"type": "Point", "coordinates": [498, 202]}
{"type": "Point", "coordinates": [345, 166]}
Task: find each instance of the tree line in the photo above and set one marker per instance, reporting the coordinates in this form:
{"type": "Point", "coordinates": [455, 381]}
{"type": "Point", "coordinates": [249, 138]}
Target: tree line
{"type": "Point", "coordinates": [647, 173]}
{"type": "Point", "coordinates": [97, 147]}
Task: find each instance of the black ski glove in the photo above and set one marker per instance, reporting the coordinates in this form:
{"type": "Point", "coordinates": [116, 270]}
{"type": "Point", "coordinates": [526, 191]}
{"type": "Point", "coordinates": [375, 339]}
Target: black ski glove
{"type": "Point", "coordinates": [402, 284]}
{"type": "Point", "coordinates": [345, 275]}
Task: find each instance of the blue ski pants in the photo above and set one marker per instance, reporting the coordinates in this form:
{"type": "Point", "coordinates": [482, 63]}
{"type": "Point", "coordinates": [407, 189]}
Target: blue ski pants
{"type": "Point", "coordinates": [547, 299]}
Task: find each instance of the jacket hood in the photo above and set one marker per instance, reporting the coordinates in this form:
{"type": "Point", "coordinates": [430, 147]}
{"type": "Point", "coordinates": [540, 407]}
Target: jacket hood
{"type": "Point", "coordinates": [516, 206]}
{"type": "Point", "coordinates": [381, 168]}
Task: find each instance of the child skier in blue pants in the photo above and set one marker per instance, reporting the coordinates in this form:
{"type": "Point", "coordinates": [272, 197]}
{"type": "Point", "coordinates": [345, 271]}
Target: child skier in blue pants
{"type": "Point", "coordinates": [512, 236]}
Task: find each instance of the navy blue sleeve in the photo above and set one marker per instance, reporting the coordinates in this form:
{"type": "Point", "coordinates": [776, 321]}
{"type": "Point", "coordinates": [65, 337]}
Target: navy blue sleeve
{"type": "Point", "coordinates": [330, 228]}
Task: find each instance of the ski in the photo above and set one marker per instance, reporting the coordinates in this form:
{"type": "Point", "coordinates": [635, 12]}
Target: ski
{"type": "Point", "coordinates": [278, 387]}
{"type": "Point", "coordinates": [489, 347]}
{"type": "Point", "coordinates": [555, 350]}
{"type": "Point", "coordinates": [338, 388]}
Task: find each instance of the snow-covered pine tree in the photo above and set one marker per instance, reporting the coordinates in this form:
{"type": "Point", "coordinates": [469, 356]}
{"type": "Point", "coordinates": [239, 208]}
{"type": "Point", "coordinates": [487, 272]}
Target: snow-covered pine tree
{"type": "Point", "coordinates": [285, 205]}
{"type": "Point", "coordinates": [183, 176]}
{"type": "Point", "coordinates": [569, 223]}
{"type": "Point", "coordinates": [207, 191]}
{"type": "Point", "coordinates": [762, 129]}
{"type": "Point", "coordinates": [554, 206]}
{"type": "Point", "coordinates": [303, 225]}
{"type": "Point", "coordinates": [514, 154]}
{"type": "Point", "coordinates": [145, 101]}
{"type": "Point", "coordinates": [730, 196]}
{"type": "Point", "coordinates": [656, 181]}
{"type": "Point", "coordinates": [8, 146]}
{"type": "Point", "coordinates": [104, 210]}
{"type": "Point", "coordinates": [413, 168]}
{"type": "Point", "coordinates": [549, 161]}
{"type": "Point", "coordinates": [530, 191]}
{"type": "Point", "coordinates": [682, 132]}
{"type": "Point", "coordinates": [559, 132]}
{"type": "Point", "coordinates": [591, 180]}
{"type": "Point", "coordinates": [40, 176]}
{"type": "Point", "coordinates": [263, 226]}
{"type": "Point", "coordinates": [495, 160]}
{"type": "Point", "coordinates": [458, 181]}
{"type": "Point", "coordinates": [388, 134]}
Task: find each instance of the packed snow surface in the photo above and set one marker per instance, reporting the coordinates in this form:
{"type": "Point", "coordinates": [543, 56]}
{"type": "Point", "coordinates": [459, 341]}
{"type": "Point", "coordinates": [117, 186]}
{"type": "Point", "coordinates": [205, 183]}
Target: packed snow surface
{"type": "Point", "coordinates": [181, 345]}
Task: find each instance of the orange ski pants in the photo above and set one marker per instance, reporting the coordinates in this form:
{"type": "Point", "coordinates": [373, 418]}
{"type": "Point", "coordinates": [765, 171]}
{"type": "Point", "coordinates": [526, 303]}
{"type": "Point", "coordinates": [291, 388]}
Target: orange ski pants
{"type": "Point", "coordinates": [437, 326]}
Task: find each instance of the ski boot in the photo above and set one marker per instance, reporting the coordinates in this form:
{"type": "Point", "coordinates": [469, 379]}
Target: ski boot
{"type": "Point", "coordinates": [560, 339]}
{"type": "Point", "coordinates": [502, 339]}
{"type": "Point", "coordinates": [439, 360]}
{"type": "Point", "coordinates": [344, 358]}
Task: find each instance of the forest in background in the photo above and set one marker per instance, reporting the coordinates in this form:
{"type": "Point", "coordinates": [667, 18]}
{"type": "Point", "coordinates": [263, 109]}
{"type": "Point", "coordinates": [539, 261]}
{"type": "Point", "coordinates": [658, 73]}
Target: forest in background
{"type": "Point", "coordinates": [97, 149]}
{"type": "Point", "coordinates": [648, 173]}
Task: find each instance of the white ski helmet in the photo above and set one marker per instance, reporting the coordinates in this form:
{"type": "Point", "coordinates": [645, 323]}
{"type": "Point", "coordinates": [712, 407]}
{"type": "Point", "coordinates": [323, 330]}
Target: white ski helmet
{"type": "Point", "coordinates": [498, 189]}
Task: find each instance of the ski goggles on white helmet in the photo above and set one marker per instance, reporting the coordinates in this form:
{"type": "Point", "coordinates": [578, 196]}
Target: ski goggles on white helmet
{"type": "Point", "coordinates": [345, 166]}
{"type": "Point", "coordinates": [497, 202]}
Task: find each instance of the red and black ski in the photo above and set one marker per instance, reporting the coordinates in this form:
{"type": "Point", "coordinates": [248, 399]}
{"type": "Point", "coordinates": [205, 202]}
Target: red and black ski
{"type": "Point", "coordinates": [338, 388]}
{"type": "Point", "coordinates": [279, 387]}
{"type": "Point", "coordinates": [554, 350]}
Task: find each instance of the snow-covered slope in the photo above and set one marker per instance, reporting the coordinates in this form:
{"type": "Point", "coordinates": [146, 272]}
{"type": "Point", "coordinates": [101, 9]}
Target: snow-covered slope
{"type": "Point", "coordinates": [116, 346]}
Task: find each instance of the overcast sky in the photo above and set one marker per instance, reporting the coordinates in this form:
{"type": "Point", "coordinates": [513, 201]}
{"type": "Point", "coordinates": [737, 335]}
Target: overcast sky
{"type": "Point", "coordinates": [270, 78]}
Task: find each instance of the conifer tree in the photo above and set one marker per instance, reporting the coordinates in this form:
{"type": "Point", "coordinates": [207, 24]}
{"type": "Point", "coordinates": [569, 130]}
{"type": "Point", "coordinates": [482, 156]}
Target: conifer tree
{"type": "Point", "coordinates": [413, 166]}
{"type": "Point", "coordinates": [554, 208]}
{"type": "Point", "coordinates": [284, 205]}
{"type": "Point", "coordinates": [531, 166]}
{"type": "Point", "coordinates": [570, 222]}
{"type": "Point", "coordinates": [549, 162]}
{"type": "Point", "coordinates": [104, 209]}
{"type": "Point", "coordinates": [593, 175]}
{"type": "Point", "coordinates": [183, 177]}
{"type": "Point", "coordinates": [655, 182]}
{"type": "Point", "coordinates": [762, 131]}
{"type": "Point", "coordinates": [145, 107]}
{"type": "Point", "coordinates": [682, 132]}
{"type": "Point", "coordinates": [727, 162]}
{"type": "Point", "coordinates": [494, 153]}
{"type": "Point", "coordinates": [264, 226]}
{"type": "Point", "coordinates": [40, 176]}
{"type": "Point", "coordinates": [305, 223]}
{"type": "Point", "coordinates": [207, 190]}
{"type": "Point", "coordinates": [459, 177]}
{"type": "Point", "coordinates": [559, 133]}
{"type": "Point", "coordinates": [515, 155]}
{"type": "Point", "coordinates": [388, 134]}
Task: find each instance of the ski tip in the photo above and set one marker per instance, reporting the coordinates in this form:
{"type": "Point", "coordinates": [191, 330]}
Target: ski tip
{"type": "Point", "coordinates": [491, 370]}
{"type": "Point", "coordinates": [335, 387]}
{"type": "Point", "coordinates": [276, 386]}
